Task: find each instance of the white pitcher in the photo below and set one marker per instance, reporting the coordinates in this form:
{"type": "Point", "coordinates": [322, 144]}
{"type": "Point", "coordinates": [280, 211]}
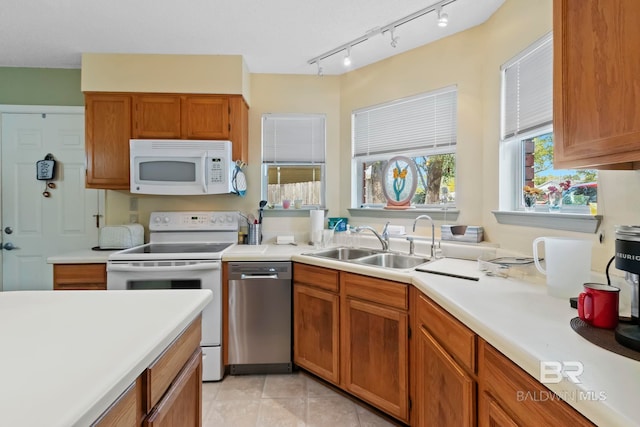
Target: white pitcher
{"type": "Point", "coordinates": [568, 263]}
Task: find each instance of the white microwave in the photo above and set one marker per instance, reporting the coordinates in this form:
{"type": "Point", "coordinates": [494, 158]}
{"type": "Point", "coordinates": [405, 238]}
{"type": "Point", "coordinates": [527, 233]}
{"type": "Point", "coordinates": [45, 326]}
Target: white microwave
{"type": "Point", "coordinates": [180, 166]}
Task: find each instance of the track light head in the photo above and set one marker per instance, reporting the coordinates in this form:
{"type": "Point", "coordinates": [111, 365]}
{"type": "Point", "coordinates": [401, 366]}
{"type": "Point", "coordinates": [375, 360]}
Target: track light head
{"type": "Point", "coordinates": [320, 72]}
{"type": "Point", "coordinates": [443, 18]}
{"type": "Point", "coordinates": [347, 58]}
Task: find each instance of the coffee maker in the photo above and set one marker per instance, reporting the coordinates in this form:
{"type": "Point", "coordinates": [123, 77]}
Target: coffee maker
{"type": "Point", "coordinates": [628, 260]}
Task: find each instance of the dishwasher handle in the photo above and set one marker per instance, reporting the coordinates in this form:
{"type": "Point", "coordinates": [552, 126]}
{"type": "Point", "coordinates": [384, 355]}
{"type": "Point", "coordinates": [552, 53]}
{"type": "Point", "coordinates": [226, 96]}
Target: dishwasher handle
{"type": "Point", "coordinates": [244, 276]}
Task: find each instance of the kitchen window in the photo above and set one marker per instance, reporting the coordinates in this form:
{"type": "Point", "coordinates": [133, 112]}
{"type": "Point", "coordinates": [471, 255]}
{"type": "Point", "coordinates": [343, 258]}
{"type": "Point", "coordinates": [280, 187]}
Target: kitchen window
{"type": "Point", "coordinates": [423, 128]}
{"type": "Point", "coordinates": [527, 137]}
{"type": "Point", "coordinates": [293, 159]}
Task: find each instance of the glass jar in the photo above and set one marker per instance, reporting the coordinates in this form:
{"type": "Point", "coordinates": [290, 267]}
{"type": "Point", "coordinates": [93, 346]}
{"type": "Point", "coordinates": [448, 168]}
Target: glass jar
{"type": "Point", "coordinates": [555, 201]}
{"type": "Point", "coordinates": [529, 202]}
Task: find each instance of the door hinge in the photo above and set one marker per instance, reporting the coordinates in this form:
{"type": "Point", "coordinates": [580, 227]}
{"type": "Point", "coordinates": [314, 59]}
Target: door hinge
{"type": "Point", "coordinates": [229, 127]}
{"type": "Point", "coordinates": [410, 404]}
{"type": "Point", "coordinates": [409, 332]}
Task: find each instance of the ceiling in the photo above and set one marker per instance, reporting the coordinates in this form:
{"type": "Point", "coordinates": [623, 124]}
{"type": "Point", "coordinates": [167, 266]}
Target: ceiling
{"type": "Point", "coordinates": [275, 36]}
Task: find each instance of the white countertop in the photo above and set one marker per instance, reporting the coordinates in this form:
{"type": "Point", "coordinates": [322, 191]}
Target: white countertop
{"type": "Point", "coordinates": [66, 356]}
{"type": "Point", "coordinates": [515, 316]}
{"type": "Point", "coordinates": [86, 256]}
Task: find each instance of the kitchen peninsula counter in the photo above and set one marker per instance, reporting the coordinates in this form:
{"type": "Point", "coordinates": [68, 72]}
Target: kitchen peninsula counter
{"type": "Point", "coordinates": [67, 356]}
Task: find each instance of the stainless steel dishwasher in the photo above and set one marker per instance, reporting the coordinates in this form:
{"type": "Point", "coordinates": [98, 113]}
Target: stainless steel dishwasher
{"type": "Point", "coordinates": [260, 317]}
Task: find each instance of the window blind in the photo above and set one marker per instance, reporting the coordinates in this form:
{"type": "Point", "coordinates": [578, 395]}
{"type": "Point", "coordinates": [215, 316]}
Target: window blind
{"type": "Point", "coordinates": [417, 124]}
{"type": "Point", "coordinates": [293, 138]}
{"type": "Point", "coordinates": [528, 89]}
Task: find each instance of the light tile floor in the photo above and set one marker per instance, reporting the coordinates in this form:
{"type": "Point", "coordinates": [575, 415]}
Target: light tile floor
{"type": "Point", "coordinates": [296, 400]}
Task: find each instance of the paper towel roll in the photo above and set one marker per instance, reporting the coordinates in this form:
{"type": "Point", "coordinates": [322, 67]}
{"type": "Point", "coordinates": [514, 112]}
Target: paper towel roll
{"type": "Point", "coordinates": [317, 225]}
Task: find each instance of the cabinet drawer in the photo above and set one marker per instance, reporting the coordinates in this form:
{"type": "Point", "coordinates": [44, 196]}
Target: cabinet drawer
{"type": "Point", "coordinates": [163, 371]}
{"type": "Point", "coordinates": [384, 292]}
{"type": "Point", "coordinates": [319, 277]}
{"type": "Point", "coordinates": [509, 384]}
{"type": "Point", "coordinates": [456, 338]}
{"type": "Point", "coordinates": [182, 404]}
{"type": "Point", "coordinates": [124, 411]}
{"type": "Point", "coordinates": [79, 276]}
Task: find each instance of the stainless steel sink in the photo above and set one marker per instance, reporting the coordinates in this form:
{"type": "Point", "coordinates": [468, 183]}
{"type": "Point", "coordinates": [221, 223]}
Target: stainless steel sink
{"type": "Point", "coordinates": [392, 260]}
{"type": "Point", "coordinates": [343, 254]}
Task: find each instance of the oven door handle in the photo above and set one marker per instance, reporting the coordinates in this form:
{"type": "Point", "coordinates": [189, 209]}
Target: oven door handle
{"type": "Point", "coordinates": [171, 268]}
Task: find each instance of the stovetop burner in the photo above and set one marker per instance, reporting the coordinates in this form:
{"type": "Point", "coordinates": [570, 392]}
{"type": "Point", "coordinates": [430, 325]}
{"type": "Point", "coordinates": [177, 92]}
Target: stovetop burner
{"type": "Point", "coordinates": [179, 248]}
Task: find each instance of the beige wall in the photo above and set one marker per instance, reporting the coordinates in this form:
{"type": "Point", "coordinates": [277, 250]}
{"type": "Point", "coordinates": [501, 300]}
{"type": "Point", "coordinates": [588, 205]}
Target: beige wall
{"type": "Point", "coordinates": [117, 72]}
{"type": "Point", "coordinates": [472, 61]}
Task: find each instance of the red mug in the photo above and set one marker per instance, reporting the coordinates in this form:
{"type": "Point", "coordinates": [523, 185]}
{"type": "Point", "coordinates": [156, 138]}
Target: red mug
{"type": "Point", "coordinates": [598, 305]}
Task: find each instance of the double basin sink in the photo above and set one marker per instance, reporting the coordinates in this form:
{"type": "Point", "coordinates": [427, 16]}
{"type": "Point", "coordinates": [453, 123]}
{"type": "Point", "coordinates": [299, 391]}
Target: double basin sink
{"type": "Point", "coordinates": [371, 257]}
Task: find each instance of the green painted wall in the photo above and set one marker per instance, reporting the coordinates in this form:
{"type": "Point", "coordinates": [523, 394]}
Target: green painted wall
{"type": "Point", "coordinates": [40, 86]}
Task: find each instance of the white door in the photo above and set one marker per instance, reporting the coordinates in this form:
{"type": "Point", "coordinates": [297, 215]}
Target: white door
{"type": "Point", "coordinates": [35, 227]}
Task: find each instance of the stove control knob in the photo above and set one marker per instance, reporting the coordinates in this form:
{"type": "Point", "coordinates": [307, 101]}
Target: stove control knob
{"type": "Point", "coordinates": [166, 220]}
{"type": "Point", "coordinates": [157, 219]}
{"type": "Point", "coordinates": [214, 219]}
{"type": "Point", "coordinates": [221, 219]}
{"type": "Point", "coordinates": [229, 218]}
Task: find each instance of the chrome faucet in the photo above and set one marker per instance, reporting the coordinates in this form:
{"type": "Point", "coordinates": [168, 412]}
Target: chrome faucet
{"type": "Point", "coordinates": [384, 239]}
{"type": "Point", "coordinates": [433, 235]}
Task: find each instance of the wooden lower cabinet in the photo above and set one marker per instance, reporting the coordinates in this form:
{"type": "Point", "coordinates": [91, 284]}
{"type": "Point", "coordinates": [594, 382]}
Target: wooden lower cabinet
{"type": "Point", "coordinates": [168, 393]}
{"type": "Point", "coordinates": [352, 330]}
{"type": "Point", "coordinates": [445, 393]}
{"type": "Point", "coordinates": [79, 277]}
{"type": "Point", "coordinates": [510, 396]}
{"type": "Point", "coordinates": [443, 366]}
{"type": "Point", "coordinates": [316, 305]}
{"type": "Point", "coordinates": [494, 414]}
{"type": "Point", "coordinates": [375, 346]}
{"type": "Point", "coordinates": [315, 323]}
{"type": "Point", "coordinates": [182, 403]}
{"type": "Point", "coordinates": [124, 411]}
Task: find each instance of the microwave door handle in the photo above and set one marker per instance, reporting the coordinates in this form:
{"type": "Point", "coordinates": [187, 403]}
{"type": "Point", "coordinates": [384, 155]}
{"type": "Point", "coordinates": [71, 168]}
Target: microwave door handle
{"type": "Point", "coordinates": [203, 163]}
{"type": "Point", "coordinates": [194, 267]}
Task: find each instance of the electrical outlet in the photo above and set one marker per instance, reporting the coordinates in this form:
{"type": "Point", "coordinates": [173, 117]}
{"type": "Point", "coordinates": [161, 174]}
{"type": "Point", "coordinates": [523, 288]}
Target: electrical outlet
{"type": "Point", "coordinates": [133, 204]}
{"type": "Point", "coordinates": [133, 218]}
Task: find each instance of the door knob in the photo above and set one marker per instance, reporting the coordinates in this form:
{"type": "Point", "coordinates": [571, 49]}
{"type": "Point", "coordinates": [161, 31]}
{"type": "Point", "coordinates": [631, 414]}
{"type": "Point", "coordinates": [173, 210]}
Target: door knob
{"type": "Point", "coordinates": [8, 230]}
{"type": "Point", "coordinates": [8, 246]}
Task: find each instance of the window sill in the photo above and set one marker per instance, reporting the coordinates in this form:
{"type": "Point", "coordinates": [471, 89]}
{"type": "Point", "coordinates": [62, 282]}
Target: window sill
{"type": "Point", "coordinates": [291, 212]}
{"type": "Point", "coordinates": [558, 221]}
{"type": "Point", "coordinates": [449, 215]}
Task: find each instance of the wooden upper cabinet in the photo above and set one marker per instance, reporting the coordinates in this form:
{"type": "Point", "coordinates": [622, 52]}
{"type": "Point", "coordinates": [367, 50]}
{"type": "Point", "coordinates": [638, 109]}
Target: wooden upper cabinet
{"type": "Point", "coordinates": [156, 116]}
{"type": "Point", "coordinates": [239, 134]}
{"type": "Point", "coordinates": [205, 117]}
{"type": "Point", "coordinates": [596, 84]}
{"type": "Point", "coordinates": [108, 130]}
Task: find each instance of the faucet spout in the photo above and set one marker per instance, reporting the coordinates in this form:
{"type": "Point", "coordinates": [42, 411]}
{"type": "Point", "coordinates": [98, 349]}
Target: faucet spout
{"type": "Point", "coordinates": [433, 232]}
{"type": "Point", "coordinates": [384, 241]}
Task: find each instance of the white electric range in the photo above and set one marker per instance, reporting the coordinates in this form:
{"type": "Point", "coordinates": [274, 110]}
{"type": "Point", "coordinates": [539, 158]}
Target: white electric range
{"type": "Point", "coordinates": [184, 252]}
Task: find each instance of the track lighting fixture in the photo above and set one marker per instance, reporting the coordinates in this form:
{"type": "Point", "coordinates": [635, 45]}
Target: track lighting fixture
{"type": "Point", "coordinates": [443, 18]}
{"type": "Point", "coordinates": [347, 58]}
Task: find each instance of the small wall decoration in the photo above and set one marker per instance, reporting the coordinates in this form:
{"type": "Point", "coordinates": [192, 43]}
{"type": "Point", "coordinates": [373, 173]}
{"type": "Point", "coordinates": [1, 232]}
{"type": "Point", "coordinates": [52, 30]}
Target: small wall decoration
{"type": "Point", "coordinates": [46, 171]}
{"type": "Point", "coordinates": [399, 182]}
